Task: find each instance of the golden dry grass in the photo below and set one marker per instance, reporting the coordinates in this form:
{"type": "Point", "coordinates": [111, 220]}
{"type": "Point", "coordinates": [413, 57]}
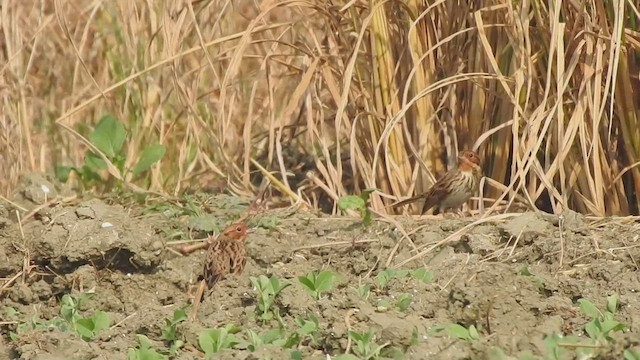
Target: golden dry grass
{"type": "Point", "coordinates": [332, 97]}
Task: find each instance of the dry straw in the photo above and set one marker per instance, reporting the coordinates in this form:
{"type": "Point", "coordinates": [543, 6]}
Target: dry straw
{"type": "Point", "coordinates": [327, 98]}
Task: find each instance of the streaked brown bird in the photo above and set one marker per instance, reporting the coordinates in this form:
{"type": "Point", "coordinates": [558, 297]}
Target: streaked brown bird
{"type": "Point", "coordinates": [226, 254]}
{"type": "Point", "coordinates": [454, 188]}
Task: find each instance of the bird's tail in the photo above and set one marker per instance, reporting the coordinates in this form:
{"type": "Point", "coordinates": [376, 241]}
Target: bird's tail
{"type": "Point", "coordinates": [408, 201]}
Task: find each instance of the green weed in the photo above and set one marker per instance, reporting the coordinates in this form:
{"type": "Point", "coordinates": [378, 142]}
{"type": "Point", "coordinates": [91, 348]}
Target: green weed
{"type": "Point", "coordinates": [170, 331]}
{"type": "Point", "coordinates": [602, 323]}
{"type": "Point", "coordinates": [364, 291]}
{"type": "Point", "coordinates": [457, 331]}
{"type": "Point", "coordinates": [86, 327]}
{"type": "Point", "coordinates": [144, 351]}
{"type": "Point", "coordinates": [364, 345]}
{"type": "Point", "coordinates": [359, 203]}
{"type": "Point", "coordinates": [318, 283]}
{"type": "Point", "coordinates": [109, 136]}
{"type": "Point", "coordinates": [212, 341]}
{"type": "Point", "coordinates": [268, 289]}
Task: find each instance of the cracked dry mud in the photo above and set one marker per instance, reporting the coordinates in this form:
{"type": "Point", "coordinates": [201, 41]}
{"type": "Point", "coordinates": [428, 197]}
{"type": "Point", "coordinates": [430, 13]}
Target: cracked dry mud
{"type": "Point", "coordinates": [121, 256]}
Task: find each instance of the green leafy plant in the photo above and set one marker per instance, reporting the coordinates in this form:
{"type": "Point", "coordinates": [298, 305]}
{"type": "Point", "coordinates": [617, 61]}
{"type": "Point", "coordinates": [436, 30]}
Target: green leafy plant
{"type": "Point", "coordinates": [385, 276]}
{"type": "Point", "coordinates": [212, 341]}
{"type": "Point", "coordinates": [144, 351]}
{"type": "Point", "coordinates": [364, 344]}
{"type": "Point", "coordinates": [170, 331]}
{"type": "Point", "coordinates": [86, 327]}
{"type": "Point", "coordinates": [602, 323]}
{"type": "Point", "coordinates": [403, 302]}
{"type": "Point", "coordinates": [268, 289]}
{"type": "Point", "coordinates": [457, 331]}
{"type": "Point", "coordinates": [555, 351]}
{"type": "Point", "coordinates": [34, 323]}
{"type": "Point", "coordinates": [308, 328]}
{"type": "Point", "coordinates": [423, 275]}
{"type": "Point", "coordinates": [359, 203]}
{"type": "Point", "coordinates": [364, 291]}
{"type": "Point", "coordinates": [317, 283]}
{"type": "Point", "coordinates": [109, 136]}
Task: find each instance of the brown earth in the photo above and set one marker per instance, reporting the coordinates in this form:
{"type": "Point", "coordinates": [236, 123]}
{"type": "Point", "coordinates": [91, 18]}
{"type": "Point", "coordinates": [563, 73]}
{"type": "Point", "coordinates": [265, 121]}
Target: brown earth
{"type": "Point", "coordinates": [120, 255]}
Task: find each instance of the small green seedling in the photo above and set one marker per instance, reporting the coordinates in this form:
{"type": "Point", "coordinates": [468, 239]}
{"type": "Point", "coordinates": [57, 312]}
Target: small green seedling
{"type": "Point", "coordinates": [35, 323]}
{"type": "Point", "coordinates": [358, 202]}
{"type": "Point", "coordinates": [308, 328]}
{"type": "Point", "coordinates": [524, 271]}
{"type": "Point", "coordinates": [423, 275]}
{"type": "Point", "coordinates": [557, 346]}
{"type": "Point", "coordinates": [364, 344]}
{"type": "Point", "coordinates": [86, 327]}
{"type": "Point", "coordinates": [109, 136]}
{"type": "Point", "coordinates": [144, 351]}
{"type": "Point", "coordinates": [457, 331]}
{"type": "Point", "coordinates": [364, 291]}
{"type": "Point", "coordinates": [268, 289]}
{"type": "Point", "coordinates": [404, 302]}
{"type": "Point", "coordinates": [212, 341]}
{"type": "Point", "coordinates": [385, 276]}
{"type": "Point", "coordinates": [602, 324]}
{"type": "Point", "coordinates": [317, 283]}
{"type": "Point", "coordinates": [170, 331]}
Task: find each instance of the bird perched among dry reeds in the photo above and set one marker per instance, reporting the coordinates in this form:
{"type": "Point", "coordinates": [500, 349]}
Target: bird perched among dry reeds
{"type": "Point", "coordinates": [454, 188]}
{"type": "Point", "coordinates": [225, 254]}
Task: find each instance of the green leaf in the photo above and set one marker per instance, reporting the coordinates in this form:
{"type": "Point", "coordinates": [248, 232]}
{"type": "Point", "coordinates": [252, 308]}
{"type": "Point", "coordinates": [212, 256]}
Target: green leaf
{"type": "Point", "coordinates": [473, 333]}
{"type": "Point", "coordinates": [149, 156]}
{"type": "Point", "coordinates": [296, 355]}
{"type": "Point", "coordinates": [611, 325]}
{"type": "Point", "coordinates": [108, 136]}
{"type": "Point", "coordinates": [525, 271]}
{"type": "Point", "coordinates": [588, 309]}
{"type": "Point", "coordinates": [592, 329]}
{"type": "Point", "coordinates": [324, 281]}
{"type": "Point", "coordinates": [351, 202]}
{"type": "Point", "coordinates": [423, 275]}
{"type": "Point", "coordinates": [206, 342]}
{"type": "Point", "coordinates": [632, 354]}
{"type": "Point", "coordinates": [458, 331]}
{"type": "Point", "coordinates": [62, 172]}
{"type": "Point", "coordinates": [85, 328]}
{"type": "Point", "coordinates": [307, 283]}
{"type": "Point", "coordinates": [404, 301]}
{"type": "Point", "coordinates": [93, 163]}
{"type": "Point", "coordinates": [364, 291]}
{"type": "Point", "coordinates": [100, 320]}
{"type": "Point", "coordinates": [612, 303]}
{"type": "Point", "coordinates": [144, 341]}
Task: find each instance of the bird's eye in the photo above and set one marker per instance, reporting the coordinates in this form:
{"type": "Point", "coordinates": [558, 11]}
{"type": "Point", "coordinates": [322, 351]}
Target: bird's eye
{"type": "Point", "coordinates": [239, 229]}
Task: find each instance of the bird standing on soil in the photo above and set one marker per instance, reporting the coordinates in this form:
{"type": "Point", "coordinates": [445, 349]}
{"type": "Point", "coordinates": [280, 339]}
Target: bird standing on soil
{"type": "Point", "coordinates": [226, 255]}
{"type": "Point", "coordinates": [454, 188]}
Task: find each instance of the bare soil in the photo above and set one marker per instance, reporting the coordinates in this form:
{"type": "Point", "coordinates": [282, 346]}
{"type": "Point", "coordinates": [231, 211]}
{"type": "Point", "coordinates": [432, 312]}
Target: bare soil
{"type": "Point", "coordinates": [120, 254]}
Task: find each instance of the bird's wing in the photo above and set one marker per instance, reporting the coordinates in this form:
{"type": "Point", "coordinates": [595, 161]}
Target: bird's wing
{"type": "Point", "coordinates": [217, 262]}
{"type": "Point", "coordinates": [438, 192]}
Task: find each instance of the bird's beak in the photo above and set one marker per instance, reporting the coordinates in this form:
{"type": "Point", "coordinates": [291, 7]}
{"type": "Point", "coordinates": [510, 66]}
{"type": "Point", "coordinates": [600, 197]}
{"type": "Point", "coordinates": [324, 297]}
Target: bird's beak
{"type": "Point", "coordinates": [251, 230]}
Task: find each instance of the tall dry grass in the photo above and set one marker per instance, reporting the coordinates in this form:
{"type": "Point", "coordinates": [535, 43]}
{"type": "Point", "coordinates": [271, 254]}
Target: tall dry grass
{"type": "Point", "coordinates": [327, 98]}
